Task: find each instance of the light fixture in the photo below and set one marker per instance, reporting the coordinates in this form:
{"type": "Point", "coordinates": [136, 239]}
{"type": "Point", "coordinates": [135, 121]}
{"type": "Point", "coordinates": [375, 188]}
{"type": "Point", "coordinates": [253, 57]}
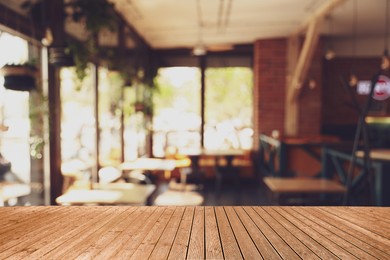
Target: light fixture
{"type": "Point", "coordinates": [47, 40]}
{"type": "Point", "coordinates": [330, 53]}
{"type": "Point", "coordinates": [353, 80]}
{"type": "Point", "coordinates": [312, 84]}
{"type": "Point", "coordinates": [199, 50]}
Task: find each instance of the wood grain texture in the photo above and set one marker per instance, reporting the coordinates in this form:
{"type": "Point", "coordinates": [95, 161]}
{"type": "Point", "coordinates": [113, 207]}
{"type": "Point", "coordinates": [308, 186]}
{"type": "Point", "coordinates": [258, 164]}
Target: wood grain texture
{"type": "Point", "coordinates": [125, 232]}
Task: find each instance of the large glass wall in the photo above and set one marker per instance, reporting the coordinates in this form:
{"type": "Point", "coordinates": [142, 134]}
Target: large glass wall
{"type": "Point", "coordinates": [78, 129]}
{"type": "Point", "coordinates": [177, 114]}
{"type": "Point", "coordinates": [228, 109]}
{"type": "Point", "coordinates": [14, 117]}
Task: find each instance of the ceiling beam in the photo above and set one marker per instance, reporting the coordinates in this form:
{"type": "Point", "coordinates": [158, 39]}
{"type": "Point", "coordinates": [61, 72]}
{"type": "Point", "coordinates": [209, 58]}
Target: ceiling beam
{"type": "Point", "coordinates": [311, 26]}
{"type": "Point", "coordinates": [304, 59]}
{"type": "Point", "coordinates": [319, 14]}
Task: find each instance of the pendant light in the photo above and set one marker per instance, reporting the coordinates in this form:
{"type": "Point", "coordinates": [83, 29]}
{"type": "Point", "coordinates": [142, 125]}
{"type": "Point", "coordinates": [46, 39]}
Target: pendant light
{"type": "Point", "coordinates": [329, 54]}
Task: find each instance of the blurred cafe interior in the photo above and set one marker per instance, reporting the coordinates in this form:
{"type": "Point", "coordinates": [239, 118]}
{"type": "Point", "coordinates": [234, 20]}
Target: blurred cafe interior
{"type": "Point", "coordinates": [167, 102]}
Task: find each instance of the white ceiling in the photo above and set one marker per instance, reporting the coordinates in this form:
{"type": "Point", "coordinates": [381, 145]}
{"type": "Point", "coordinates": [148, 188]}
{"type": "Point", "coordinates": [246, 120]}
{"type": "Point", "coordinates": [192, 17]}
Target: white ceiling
{"type": "Point", "coordinates": [183, 23]}
{"type": "Point", "coordinates": [216, 23]}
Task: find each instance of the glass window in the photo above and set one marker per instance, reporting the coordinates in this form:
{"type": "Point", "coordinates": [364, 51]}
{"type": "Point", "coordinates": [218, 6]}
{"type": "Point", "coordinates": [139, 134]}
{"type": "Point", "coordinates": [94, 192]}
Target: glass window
{"type": "Point", "coordinates": [228, 108]}
{"type": "Point", "coordinates": [177, 119]}
{"type": "Point", "coordinates": [110, 116]}
{"type": "Point", "coordinates": [14, 113]}
{"type": "Point", "coordinates": [78, 134]}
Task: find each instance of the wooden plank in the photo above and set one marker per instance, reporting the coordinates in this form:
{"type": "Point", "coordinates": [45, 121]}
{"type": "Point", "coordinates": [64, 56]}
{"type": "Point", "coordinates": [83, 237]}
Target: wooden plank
{"type": "Point", "coordinates": [52, 234]}
{"type": "Point", "coordinates": [180, 244]}
{"type": "Point", "coordinates": [277, 242]}
{"type": "Point", "coordinates": [263, 245]}
{"type": "Point", "coordinates": [137, 237]}
{"type": "Point", "coordinates": [195, 232]}
{"type": "Point", "coordinates": [20, 236]}
{"type": "Point", "coordinates": [299, 248]}
{"type": "Point", "coordinates": [368, 234]}
{"type": "Point", "coordinates": [212, 239]}
{"type": "Point", "coordinates": [74, 236]}
{"type": "Point", "coordinates": [164, 245]}
{"type": "Point", "coordinates": [15, 214]}
{"type": "Point", "coordinates": [374, 213]}
{"type": "Point", "coordinates": [369, 237]}
{"type": "Point", "coordinates": [347, 249]}
{"type": "Point", "coordinates": [248, 248]}
{"type": "Point", "coordinates": [196, 247]}
{"type": "Point", "coordinates": [113, 231]}
{"type": "Point", "coordinates": [228, 240]}
{"type": "Point", "coordinates": [41, 248]}
{"type": "Point", "coordinates": [346, 233]}
{"type": "Point", "coordinates": [103, 237]}
{"type": "Point", "coordinates": [24, 217]}
{"type": "Point", "coordinates": [325, 242]}
{"type": "Point", "coordinates": [148, 244]}
{"type": "Point", "coordinates": [135, 222]}
{"type": "Point", "coordinates": [313, 245]}
{"type": "Point", "coordinates": [381, 228]}
{"type": "Point", "coordinates": [333, 233]}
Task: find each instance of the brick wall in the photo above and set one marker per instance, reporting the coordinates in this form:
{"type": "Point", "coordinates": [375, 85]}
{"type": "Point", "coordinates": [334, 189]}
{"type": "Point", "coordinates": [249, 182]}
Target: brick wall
{"type": "Point", "coordinates": [270, 69]}
{"type": "Point", "coordinates": [269, 85]}
{"type": "Point", "coordinates": [310, 102]}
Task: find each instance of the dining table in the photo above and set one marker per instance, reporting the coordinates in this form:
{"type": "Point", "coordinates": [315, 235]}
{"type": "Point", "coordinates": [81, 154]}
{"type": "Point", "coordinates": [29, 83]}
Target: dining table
{"type": "Point", "coordinates": [194, 232]}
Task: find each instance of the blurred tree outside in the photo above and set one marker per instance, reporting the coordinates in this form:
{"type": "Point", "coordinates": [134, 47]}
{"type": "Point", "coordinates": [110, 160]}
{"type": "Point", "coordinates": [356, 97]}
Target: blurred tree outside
{"type": "Point", "coordinates": [228, 108]}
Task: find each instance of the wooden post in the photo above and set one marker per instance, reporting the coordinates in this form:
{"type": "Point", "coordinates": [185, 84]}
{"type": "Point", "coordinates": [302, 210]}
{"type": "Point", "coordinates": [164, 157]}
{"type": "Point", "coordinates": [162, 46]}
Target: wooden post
{"type": "Point", "coordinates": [56, 178]}
{"type": "Point", "coordinates": [292, 105]}
{"type": "Point", "coordinates": [202, 65]}
{"type": "Point", "coordinates": [299, 62]}
{"type": "Point", "coordinates": [304, 59]}
{"type": "Point", "coordinates": [56, 13]}
{"type": "Point", "coordinates": [121, 43]}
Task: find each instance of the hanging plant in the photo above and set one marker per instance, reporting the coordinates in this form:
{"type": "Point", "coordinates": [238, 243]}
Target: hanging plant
{"type": "Point", "coordinates": [19, 77]}
{"type": "Point", "coordinates": [96, 15]}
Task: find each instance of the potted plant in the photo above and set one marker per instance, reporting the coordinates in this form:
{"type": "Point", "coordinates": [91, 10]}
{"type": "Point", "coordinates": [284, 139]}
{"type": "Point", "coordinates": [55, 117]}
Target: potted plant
{"type": "Point", "coordinates": [19, 77]}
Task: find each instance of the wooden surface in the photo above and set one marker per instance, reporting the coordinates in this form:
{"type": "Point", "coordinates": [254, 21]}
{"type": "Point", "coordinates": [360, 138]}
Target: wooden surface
{"type": "Point", "coordinates": [149, 164]}
{"type": "Point", "coordinates": [303, 185]}
{"type": "Point", "coordinates": [9, 190]}
{"type": "Point", "coordinates": [194, 232]}
{"type": "Point", "coordinates": [376, 154]}
{"type": "Point", "coordinates": [110, 193]}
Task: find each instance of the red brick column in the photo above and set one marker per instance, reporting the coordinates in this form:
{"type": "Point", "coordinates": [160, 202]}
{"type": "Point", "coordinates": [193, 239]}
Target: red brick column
{"type": "Point", "coordinates": [270, 73]}
{"type": "Point", "coordinates": [269, 86]}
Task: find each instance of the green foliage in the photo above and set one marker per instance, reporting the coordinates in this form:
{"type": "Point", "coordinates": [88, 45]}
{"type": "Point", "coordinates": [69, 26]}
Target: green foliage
{"type": "Point", "coordinates": [81, 55]}
{"type": "Point", "coordinates": [97, 14]}
{"type": "Point", "coordinates": [232, 88]}
{"type": "Point", "coordinates": [228, 94]}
